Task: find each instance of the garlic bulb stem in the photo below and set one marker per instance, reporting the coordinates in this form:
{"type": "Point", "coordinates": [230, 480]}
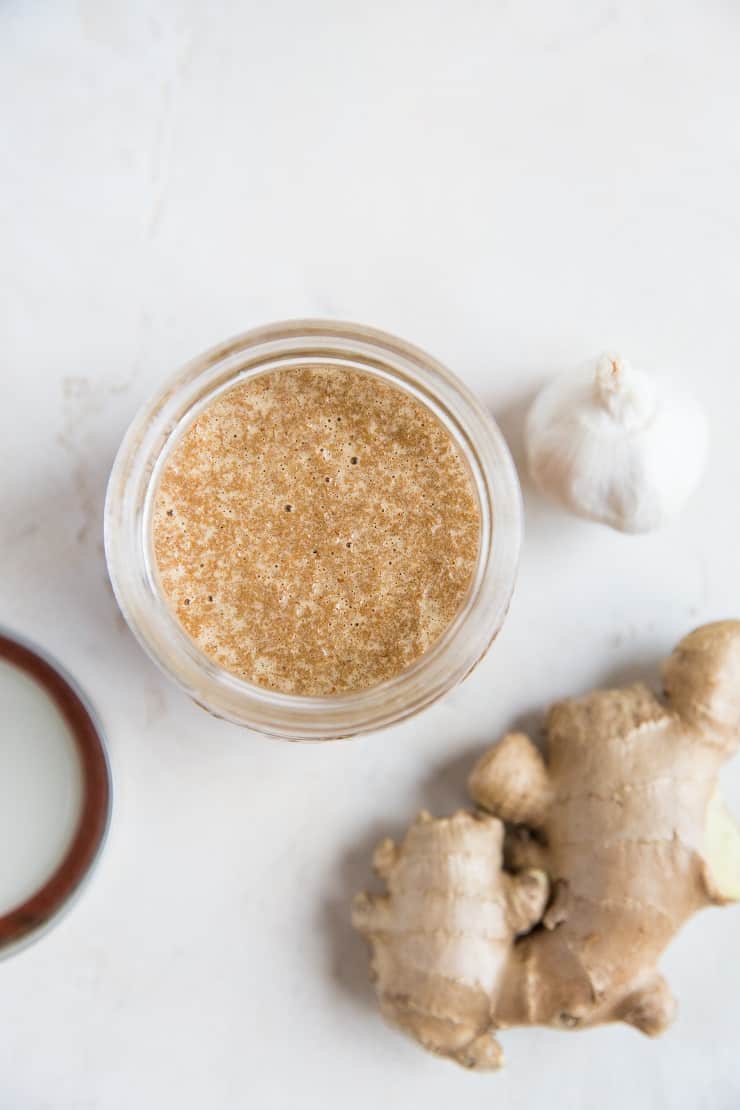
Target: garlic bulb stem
{"type": "Point", "coordinates": [626, 394]}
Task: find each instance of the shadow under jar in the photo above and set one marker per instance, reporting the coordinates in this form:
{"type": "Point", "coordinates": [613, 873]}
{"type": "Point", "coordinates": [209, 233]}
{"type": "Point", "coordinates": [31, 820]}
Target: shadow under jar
{"type": "Point", "coordinates": [314, 529]}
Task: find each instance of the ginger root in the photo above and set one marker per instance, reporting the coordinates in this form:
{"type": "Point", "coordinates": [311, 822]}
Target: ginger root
{"type": "Point", "coordinates": [443, 933]}
{"type": "Point", "coordinates": [559, 916]}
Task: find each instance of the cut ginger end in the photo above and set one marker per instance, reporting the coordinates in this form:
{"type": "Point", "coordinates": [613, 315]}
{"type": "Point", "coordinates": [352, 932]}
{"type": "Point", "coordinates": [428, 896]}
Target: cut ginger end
{"type": "Point", "coordinates": [722, 851]}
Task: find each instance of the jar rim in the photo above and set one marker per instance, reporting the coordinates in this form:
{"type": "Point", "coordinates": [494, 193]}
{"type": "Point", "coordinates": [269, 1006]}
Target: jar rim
{"type": "Point", "coordinates": [129, 552]}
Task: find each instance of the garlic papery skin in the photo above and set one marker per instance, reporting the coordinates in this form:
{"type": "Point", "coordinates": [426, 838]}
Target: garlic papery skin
{"type": "Point", "coordinates": [615, 445]}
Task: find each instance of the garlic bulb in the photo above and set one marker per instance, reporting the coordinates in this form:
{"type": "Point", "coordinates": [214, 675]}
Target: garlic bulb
{"type": "Point", "coordinates": [615, 445]}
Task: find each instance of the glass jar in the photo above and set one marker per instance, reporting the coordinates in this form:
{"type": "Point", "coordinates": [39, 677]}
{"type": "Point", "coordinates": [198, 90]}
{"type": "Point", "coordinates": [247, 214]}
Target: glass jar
{"type": "Point", "coordinates": [129, 547]}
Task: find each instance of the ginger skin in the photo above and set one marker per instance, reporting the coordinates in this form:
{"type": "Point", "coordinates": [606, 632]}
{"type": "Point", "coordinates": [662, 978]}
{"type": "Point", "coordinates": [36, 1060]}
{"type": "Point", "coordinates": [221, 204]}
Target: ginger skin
{"type": "Point", "coordinates": [443, 933]}
{"type": "Point", "coordinates": [624, 819]}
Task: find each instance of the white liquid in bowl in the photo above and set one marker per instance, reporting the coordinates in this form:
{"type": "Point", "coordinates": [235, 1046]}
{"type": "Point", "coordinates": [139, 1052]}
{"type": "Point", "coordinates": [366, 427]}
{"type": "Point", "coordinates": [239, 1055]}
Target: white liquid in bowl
{"type": "Point", "coordinates": [41, 788]}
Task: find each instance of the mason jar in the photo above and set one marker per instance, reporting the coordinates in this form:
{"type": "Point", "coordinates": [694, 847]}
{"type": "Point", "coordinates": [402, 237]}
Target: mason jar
{"type": "Point", "coordinates": [129, 529]}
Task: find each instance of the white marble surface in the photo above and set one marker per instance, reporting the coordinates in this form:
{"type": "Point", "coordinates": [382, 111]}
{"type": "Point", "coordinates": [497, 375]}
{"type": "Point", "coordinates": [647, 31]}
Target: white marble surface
{"type": "Point", "coordinates": [513, 186]}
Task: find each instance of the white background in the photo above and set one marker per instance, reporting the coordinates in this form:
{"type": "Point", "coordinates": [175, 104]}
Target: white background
{"type": "Point", "coordinates": [513, 186]}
